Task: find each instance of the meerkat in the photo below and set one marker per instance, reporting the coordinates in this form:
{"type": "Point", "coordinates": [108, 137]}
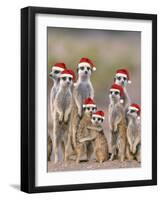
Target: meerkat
{"type": "Point", "coordinates": [117, 122]}
{"type": "Point", "coordinates": [97, 136]}
{"type": "Point", "coordinates": [133, 133]}
{"type": "Point", "coordinates": [122, 78]}
{"type": "Point", "coordinates": [82, 89]}
{"type": "Point", "coordinates": [62, 109]}
{"type": "Point", "coordinates": [54, 75]}
{"type": "Point", "coordinates": [84, 149]}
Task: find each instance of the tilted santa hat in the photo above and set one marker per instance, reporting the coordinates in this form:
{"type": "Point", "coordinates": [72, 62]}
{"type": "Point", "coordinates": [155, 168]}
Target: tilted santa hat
{"type": "Point", "coordinates": [59, 66]}
{"type": "Point", "coordinates": [136, 107]}
{"type": "Point", "coordinates": [89, 102]}
{"type": "Point", "coordinates": [99, 114]}
{"type": "Point", "coordinates": [68, 73]}
{"type": "Point", "coordinates": [86, 62]}
{"type": "Point", "coordinates": [118, 88]}
{"type": "Point", "coordinates": [123, 72]}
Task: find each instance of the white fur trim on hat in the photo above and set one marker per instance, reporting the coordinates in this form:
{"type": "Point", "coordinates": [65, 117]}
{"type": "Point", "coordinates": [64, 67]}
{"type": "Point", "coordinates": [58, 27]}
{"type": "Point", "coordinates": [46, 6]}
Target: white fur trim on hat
{"type": "Point", "coordinates": [95, 115]}
{"type": "Point", "coordinates": [112, 89]}
{"type": "Point", "coordinates": [129, 81]}
{"type": "Point", "coordinates": [93, 68]}
{"type": "Point", "coordinates": [89, 105]}
{"type": "Point", "coordinates": [133, 108]}
{"type": "Point", "coordinates": [138, 117]}
{"type": "Point", "coordinates": [57, 68]}
{"type": "Point", "coordinates": [84, 64]}
{"type": "Point", "coordinates": [66, 75]}
{"type": "Point", "coordinates": [121, 74]}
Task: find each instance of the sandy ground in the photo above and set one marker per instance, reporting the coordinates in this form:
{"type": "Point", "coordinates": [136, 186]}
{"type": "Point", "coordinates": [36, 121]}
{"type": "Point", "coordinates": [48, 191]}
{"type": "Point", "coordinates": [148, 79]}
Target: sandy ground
{"type": "Point", "coordinates": [91, 165]}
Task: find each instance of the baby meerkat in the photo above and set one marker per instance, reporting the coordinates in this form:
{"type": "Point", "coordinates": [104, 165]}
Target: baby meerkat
{"type": "Point", "coordinates": [82, 89]}
{"type": "Point", "coordinates": [96, 135]}
{"type": "Point", "coordinates": [84, 149]}
{"type": "Point", "coordinates": [117, 122]}
{"type": "Point", "coordinates": [122, 78]}
{"type": "Point", "coordinates": [133, 133]}
{"type": "Point", "coordinates": [62, 109]}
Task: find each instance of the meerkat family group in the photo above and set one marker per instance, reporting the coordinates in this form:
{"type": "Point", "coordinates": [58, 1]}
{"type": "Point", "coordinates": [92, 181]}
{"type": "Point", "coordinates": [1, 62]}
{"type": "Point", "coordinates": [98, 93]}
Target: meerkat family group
{"type": "Point", "coordinates": [78, 125]}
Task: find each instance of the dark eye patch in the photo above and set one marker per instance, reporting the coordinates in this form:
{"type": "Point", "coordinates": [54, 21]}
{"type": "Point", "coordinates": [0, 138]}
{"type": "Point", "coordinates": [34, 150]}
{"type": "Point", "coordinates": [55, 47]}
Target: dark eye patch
{"type": "Point", "coordinates": [82, 68]}
{"type": "Point", "coordinates": [56, 72]}
{"type": "Point", "coordinates": [64, 78]}
{"type": "Point", "coordinates": [132, 111]}
{"type": "Point", "coordinates": [93, 109]}
{"type": "Point", "coordinates": [93, 118]}
{"type": "Point", "coordinates": [119, 78]}
{"type": "Point", "coordinates": [116, 92]}
{"type": "Point", "coordinates": [124, 78]}
{"type": "Point", "coordinates": [69, 78]}
{"type": "Point", "coordinates": [88, 68]}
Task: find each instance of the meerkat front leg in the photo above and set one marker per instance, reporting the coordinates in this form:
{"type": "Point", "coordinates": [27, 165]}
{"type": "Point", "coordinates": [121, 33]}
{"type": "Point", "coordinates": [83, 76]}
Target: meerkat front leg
{"type": "Point", "coordinates": [78, 101]}
{"type": "Point", "coordinates": [67, 113]}
{"type": "Point", "coordinates": [129, 139]}
{"type": "Point", "coordinates": [137, 141]}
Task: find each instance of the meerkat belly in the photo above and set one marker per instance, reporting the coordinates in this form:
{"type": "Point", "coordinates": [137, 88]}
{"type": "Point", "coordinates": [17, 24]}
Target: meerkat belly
{"type": "Point", "coordinates": [65, 101]}
{"type": "Point", "coordinates": [84, 90]}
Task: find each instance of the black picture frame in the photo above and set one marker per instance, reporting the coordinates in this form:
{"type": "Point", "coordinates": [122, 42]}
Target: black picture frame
{"type": "Point", "coordinates": [28, 98]}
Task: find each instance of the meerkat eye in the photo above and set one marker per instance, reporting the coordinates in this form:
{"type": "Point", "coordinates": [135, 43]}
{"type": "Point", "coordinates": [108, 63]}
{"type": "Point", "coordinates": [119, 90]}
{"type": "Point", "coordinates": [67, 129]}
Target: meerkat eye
{"type": "Point", "coordinates": [116, 92]}
{"type": "Point", "coordinates": [64, 78]}
{"type": "Point", "coordinates": [132, 111]}
{"type": "Point", "coordinates": [88, 108]}
{"type": "Point", "coordinates": [111, 92]}
{"type": "Point", "coordinates": [93, 118]}
{"type": "Point", "coordinates": [56, 72]}
{"type": "Point", "coordinates": [101, 120]}
{"type": "Point", "coordinates": [82, 68]}
{"type": "Point", "coordinates": [88, 68]}
{"type": "Point", "coordinates": [70, 78]}
{"type": "Point", "coordinates": [119, 78]}
{"type": "Point", "coordinates": [124, 78]}
{"type": "Point", "coordinates": [93, 109]}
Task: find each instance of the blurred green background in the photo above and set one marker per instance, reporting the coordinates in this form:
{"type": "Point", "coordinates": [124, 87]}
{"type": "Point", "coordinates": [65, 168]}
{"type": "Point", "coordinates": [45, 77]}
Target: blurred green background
{"type": "Point", "coordinates": [108, 49]}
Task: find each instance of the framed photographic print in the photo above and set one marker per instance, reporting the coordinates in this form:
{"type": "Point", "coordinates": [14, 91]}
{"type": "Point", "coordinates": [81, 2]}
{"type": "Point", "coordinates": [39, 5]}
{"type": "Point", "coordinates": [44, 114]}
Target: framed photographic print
{"type": "Point", "coordinates": [88, 99]}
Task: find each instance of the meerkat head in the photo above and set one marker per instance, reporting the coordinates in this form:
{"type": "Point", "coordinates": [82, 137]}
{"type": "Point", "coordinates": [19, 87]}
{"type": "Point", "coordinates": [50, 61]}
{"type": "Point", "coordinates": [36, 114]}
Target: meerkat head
{"type": "Point", "coordinates": [67, 78]}
{"type": "Point", "coordinates": [98, 117]}
{"type": "Point", "coordinates": [85, 68]}
{"type": "Point", "coordinates": [57, 69]}
{"type": "Point", "coordinates": [89, 106]}
{"type": "Point", "coordinates": [116, 93]}
{"type": "Point", "coordinates": [134, 111]}
{"type": "Point", "coordinates": [122, 77]}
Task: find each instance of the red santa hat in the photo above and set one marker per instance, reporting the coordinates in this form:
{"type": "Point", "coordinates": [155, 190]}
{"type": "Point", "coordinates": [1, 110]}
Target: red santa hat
{"type": "Point", "coordinates": [118, 88]}
{"type": "Point", "coordinates": [86, 62]}
{"type": "Point", "coordinates": [99, 114]}
{"type": "Point", "coordinates": [135, 107]}
{"type": "Point", "coordinates": [59, 66]}
{"type": "Point", "coordinates": [124, 73]}
{"type": "Point", "coordinates": [68, 73]}
{"type": "Point", "coordinates": [89, 102]}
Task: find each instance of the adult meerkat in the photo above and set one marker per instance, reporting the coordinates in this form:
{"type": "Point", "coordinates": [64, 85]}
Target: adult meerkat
{"type": "Point", "coordinates": [133, 133]}
{"type": "Point", "coordinates": [84, 149]}
{"type": "Point", "coordinates": [117, 122]}
{"type": "Point", "coordinates": [82, 89]}
{"type": "Point", "coordinates": [122, 78]}
{"type": "Point", "coordinates": [61, 114]}
{"type": "Point", "coordinates": [97, 136]}
{"type": "Point", "coordinates": [54, 75]}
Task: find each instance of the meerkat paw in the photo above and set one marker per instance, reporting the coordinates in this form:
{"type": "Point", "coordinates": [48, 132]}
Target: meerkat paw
{"type": "Point", "coordinates": [66, 119]}
{"type": "Point", "coordinates": [60, 119]}
{"type": "Point", "coordinates": [134, 150]}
